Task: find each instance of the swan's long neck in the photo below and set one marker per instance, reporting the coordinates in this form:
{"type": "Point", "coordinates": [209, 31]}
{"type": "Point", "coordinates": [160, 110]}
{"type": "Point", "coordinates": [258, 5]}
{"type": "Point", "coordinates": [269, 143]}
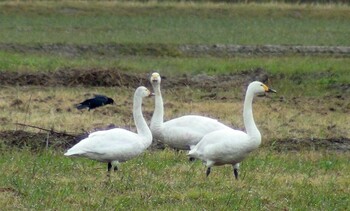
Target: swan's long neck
{"type": "Point", "coordinates": [140, 122]}
{"type": "Point", "coordinates": [249, 122]}
{"type": "Point", "coordinates": [157, 118]}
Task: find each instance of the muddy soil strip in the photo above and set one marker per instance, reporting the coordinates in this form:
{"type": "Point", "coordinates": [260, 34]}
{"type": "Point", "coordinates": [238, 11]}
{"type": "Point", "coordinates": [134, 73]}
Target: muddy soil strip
{"type": "Point", "coordinates": [264, 50]}
{"type": "Point", "coordinates": [217, 50]}
{"type": "Point", "coordinates": [115, 77]}
{"type": "Point", "coordinates": [292, 144]}
{"type": "Point", "coordinates": [37, 141]}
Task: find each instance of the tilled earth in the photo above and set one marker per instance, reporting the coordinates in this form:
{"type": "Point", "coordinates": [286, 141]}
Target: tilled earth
{"type": "Point", "coordinates": [119, 78]}
{"type": "Point", "coordinates": [115, 77]}
{"type": "Point", "coordinates": [177, 50]}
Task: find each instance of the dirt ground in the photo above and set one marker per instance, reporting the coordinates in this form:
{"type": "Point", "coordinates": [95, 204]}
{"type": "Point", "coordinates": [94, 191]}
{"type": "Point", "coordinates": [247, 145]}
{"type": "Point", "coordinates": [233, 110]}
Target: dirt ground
{"type": "Point", "coordinates": [113, 77]}
{"type": "Point", "coordinates": [107, 78]}
{"type": "Point", "coordinates": [39, 140]}
{"type": "Point", "coordinates": [177, 50]}
{"type": "Point", "coordinates": [119, 78]}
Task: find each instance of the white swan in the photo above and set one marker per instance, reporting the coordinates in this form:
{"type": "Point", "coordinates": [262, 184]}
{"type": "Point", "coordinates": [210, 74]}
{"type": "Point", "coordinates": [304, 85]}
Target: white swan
{"type": "Point", "coordinates": [117, 145]}
{"type": "Point", "coordinates": [183, 132]}
{"type": "Point", "coordinates": [232, 146]}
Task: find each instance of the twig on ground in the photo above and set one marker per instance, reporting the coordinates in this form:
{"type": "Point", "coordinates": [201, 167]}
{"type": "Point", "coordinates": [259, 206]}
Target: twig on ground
{"type": "Point", "coordinates": [44, 129]}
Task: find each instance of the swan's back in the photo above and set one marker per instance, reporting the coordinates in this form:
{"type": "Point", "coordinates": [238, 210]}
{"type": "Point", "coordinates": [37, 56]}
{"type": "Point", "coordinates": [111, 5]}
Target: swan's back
{"type": "Point", "coordinates": [109, 145]}
{"type": "Point", "coordinates": [185, 131]}
{"type": "Point", "coordinates": [200, 124]}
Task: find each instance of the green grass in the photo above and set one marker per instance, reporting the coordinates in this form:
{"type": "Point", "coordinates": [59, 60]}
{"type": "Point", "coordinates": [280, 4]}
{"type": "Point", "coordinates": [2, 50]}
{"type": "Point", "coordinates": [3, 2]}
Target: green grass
{"type": "Point", "coordinates": [210, 65]}
{"type": "Point", "coordinates": [174, 23]}
{"type": "Point", "coordinates": [165, 180]}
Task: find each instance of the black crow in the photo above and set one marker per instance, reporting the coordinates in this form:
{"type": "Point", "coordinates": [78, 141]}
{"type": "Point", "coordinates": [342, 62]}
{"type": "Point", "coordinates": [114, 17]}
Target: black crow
{"type": "Point", "coordinates": [97, 101]}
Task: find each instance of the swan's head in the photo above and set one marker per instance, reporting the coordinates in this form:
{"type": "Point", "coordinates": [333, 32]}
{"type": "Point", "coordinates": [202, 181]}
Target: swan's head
{"type": "Point", "coordinates": [155, 78]}
{"type": "Point", "coordinates": [258, 87]}
{"type": "Point", "coordinates": [143, 92]}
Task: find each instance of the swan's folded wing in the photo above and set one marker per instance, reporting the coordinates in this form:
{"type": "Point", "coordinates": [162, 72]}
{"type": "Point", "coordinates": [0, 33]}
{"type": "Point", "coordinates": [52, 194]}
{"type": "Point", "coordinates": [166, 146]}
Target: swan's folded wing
{"type": "Point", "coordinates": [219, 144]}
{"type": "Point", "coordinates": [108, 142]}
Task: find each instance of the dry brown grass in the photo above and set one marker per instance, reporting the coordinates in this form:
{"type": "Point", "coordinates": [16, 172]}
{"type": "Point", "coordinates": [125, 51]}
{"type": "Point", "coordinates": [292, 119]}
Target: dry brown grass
{"type": "Point", "coordinates": [53, 108]}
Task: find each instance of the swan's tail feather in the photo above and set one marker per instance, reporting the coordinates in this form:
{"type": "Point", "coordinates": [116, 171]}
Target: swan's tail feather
{"type": "Point", "coordinates": [72, 153]}
{"type": "Point", "coordinates": [68, 154]}
{"type": "Point", "coordinates": [190, 153]}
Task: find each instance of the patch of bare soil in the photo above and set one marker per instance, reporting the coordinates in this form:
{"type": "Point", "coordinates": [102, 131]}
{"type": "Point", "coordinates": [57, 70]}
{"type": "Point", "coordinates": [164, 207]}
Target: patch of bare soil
{"type": "Point", "coordinates": [55, 140]}
{"type": "Point", "coordinates": [113, 49]}
{"type": "Point", "coordinates": [115, 77]}
{"type": "Point", "coordinates": [72, 77]}
{"type": "Point", "coordinates": [263, 50]}
{"type": "Point", "coordinates": [338, 144]}
{"type": "Point", "coordinates": [44, 138]}
{"type": "Point", "coordinates": [39, 140]}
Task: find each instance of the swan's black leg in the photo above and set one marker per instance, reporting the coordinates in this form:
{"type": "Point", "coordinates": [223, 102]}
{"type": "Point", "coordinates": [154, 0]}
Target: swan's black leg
{"type": "Point", "coordinates": [191, 159]}
{"type": "Point", "coordinates": [235, 172]}
{"type": "Point", "coordinates": [109, 166]}
{"type": "Point", "coordinates": [208, 171]}
{"type": "Point", "coordinates": [115, 168]}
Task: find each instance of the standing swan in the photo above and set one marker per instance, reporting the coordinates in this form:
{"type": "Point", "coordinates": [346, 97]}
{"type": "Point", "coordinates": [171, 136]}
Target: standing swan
{"type": "Point", "coordinates": [232, 146]}
{"type": "Point", "coordinates": [183, 132]}
{"type": "Point", "coordinates": [117, 145]}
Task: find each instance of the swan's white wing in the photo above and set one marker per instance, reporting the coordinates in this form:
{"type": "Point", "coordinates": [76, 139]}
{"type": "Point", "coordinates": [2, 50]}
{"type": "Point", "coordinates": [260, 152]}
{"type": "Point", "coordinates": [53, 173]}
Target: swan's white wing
{"type": "Point", "coordinates": [180, 137]}
{"type": "Point", "coordinates": [222, 147]}
{"type": "Point", "coordinates": [109, 145]}
{"type": "Point", "coordinates": [185, 131]}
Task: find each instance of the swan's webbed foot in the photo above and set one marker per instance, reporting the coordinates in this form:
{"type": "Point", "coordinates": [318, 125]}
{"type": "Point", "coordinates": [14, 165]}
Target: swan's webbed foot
{"type": "Point", "coordinates": [115, 168]}
{"type": "Point", "coordinates": [191, 159]}
{"type": "Point", "coordinates": [208, 171]}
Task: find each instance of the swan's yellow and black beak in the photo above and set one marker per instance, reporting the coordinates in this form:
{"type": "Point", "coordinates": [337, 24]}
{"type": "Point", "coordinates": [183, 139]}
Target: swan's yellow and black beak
{"type": "Point", "coordinates": [154, 77]}
{"type": "Point", "coordinates": [267, 89]}
{"type": "Point", "coordinates": [151, 94]}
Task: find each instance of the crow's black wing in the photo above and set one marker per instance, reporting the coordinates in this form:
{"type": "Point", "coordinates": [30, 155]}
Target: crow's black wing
{"type": "Point", "coordinates": [97, 101]}
{"type": "Point", "coordinates": [101, 98]}
{"type": "Point", "coordinates": [84, 104]}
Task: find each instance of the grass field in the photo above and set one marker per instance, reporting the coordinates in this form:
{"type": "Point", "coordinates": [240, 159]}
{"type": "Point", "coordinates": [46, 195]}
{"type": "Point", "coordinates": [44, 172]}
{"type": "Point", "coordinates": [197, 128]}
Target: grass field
{"type": "Point", "coordinates": [93, 22]}
{"type": "Point", "coordinates": [309, 114]}
{"type": "Point", "coordinates": [165, 180]}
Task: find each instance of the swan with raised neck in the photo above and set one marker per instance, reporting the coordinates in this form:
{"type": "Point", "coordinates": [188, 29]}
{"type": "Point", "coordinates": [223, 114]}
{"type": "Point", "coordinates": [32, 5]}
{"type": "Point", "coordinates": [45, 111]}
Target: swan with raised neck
{"type": "Point", "coordinates": [183, 132]}
{"type": "Point", "coordinates": [232, 146]}
{"type": "Point", "coordinates": [117, 145]}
